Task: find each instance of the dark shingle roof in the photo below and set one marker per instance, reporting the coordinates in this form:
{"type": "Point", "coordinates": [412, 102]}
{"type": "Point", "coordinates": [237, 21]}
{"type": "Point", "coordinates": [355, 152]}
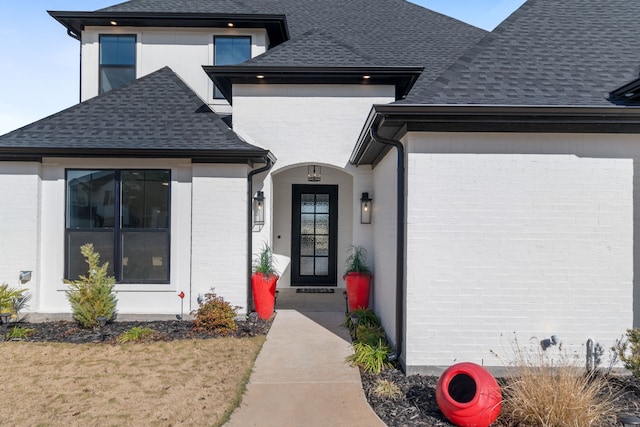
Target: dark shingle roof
{"type": "Point", "coordinates": [156, 114]}
{"type": "Point", "coordinates": [313, 48]}
{"type": "Point", "coordinates": [388, 32]}
{"type": "Point", "coordinates": [549, 52]}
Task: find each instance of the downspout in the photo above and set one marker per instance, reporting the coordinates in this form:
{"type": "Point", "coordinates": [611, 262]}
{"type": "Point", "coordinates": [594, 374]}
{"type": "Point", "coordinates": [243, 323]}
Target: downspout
{"type": "Point", "coordinates": [250, 227]}
{"type": "Point", "coordinates": [399, 241]}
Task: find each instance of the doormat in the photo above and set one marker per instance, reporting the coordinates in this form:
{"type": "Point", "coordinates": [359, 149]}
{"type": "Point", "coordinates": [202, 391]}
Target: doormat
{"type": "Point", "coordinates": [314, 291]}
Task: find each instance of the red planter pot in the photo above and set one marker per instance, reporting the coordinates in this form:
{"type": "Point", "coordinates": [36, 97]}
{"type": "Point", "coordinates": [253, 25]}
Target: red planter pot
{"type": "Point", "coordinates": [468, 395]}
{"type": "Point", "coordinates": [264, 294]}
{"type": "Point", "coordinates": [358, 286]}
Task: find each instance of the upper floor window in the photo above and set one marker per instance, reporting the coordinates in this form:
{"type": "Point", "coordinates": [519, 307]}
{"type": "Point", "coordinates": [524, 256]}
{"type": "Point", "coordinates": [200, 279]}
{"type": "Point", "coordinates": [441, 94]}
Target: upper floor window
{"type": "Point", "coordinates": [125, 214]}
{"type": "Point", "coordinates": [117, 60]}
{"type": "Point", "coordinates": [230, 50]}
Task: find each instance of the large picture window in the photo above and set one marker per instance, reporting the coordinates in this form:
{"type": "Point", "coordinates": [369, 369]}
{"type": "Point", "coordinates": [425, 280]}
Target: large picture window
{"type": "Point", "coordinates": [125, 214]}
{"type": "Point", "coordinates": [117, 61]}
{"type": "Point", "coordinates": [230, 50]}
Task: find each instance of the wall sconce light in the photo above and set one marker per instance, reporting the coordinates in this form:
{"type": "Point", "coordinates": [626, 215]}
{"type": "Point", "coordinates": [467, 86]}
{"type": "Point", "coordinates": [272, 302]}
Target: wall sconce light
{"type": "Point", "coordinates": [366, 205]}
{"type": "Point", "coordinates": [258, 208]}
{"type": "Point", "coordinates": [314, 173]}
{"type": "Point", "coordinates": [25, 276]}
{"type": "Point", "coordinates": [548, 342]}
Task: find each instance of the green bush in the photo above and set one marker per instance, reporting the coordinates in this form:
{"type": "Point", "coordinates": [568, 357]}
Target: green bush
{"type": "Point", "coordinates": [20, 332]}
{"type": "Point", "coordinates": [137, 333]}
{"type": "Point", "coordinates": [628, 350]}
{"type": "Point", "coordinates": [12, 300]}
{"type": "Point", "coordinates": [369, 334]}
{"type": "Point", "coordinates": [371, 358]}
{"type": "Point", "coordinates": [366, 317]}
{"type": "Point", "coordinates": [215, 315]}
{"type": "Point", "coordinates": [92, 296]}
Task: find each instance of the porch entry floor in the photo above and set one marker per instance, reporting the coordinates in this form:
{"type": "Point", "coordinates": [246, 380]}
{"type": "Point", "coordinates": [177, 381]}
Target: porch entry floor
{"type": "Point", "coordinates": [290, 299]}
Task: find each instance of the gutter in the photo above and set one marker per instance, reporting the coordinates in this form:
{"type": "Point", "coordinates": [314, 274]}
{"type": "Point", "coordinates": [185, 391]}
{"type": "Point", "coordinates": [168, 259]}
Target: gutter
{"type": "Point", "coordinates": [270, 162]}
{"type": "Point", "coordinates": [400, 241]}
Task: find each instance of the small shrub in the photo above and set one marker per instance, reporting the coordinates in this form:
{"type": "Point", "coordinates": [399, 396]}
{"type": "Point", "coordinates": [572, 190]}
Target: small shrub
{"type": "Point", "coordinates": [366, 317]}
{"type": "Point", "coordinates": [628, 350]}
{"type": "Point", "coordinates": [369, 334]}
{"type": "Point", "coordinates": [215, 315]}
{"type": "Point", "coordinates": [20, 332]}
{"type": "Point", "coordinates": [387, 389]}
{"type": "Point", "coordinates": [371, 358]}
{"type": "Point", "coordinates": [92, 296]}
{"type": "Point", "coordinates": [137, 333]}
{"type": "Point", "coordinates": [12, 300]}
{"type": "Point", "coordinates": [543, 392]}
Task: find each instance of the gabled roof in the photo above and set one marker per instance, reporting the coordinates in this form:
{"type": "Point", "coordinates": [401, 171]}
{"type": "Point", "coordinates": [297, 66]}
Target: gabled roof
{"type": "Point", "coordinates": [386, 32]}
{"type": "Point", "coordinates": [549, 52]}
{"type": "Point", "coordinates": [315, 49]}
{"type": "Point", "coordinates": [155, 116]}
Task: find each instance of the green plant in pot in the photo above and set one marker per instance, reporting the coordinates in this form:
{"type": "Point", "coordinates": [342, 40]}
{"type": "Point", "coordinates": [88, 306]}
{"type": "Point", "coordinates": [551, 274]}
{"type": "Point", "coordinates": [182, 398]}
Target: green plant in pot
{"type": "Point", "coordinates": [357, 277]}
{"type": "Point", "coordinates": [263, 282]}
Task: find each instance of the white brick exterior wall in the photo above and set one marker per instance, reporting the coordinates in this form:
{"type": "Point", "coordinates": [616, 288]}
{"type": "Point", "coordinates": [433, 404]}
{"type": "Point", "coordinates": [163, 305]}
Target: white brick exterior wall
{"type": "Point", "coordinates": [19, 228]}
{"type": "Point", "coordinates": [384, 248]}
{"type": "Point", "coordinates": [185, 50]}
{"type": "Point", "coordinates": [503, 240]}
{"type": "Point", "coordinates": [302, 125]}
{"type": "Point", "coordinates": [219, 226]}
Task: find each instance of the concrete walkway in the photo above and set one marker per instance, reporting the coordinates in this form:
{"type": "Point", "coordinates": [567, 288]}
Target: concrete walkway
{"type": "Point", "coordinates": [301, 379]}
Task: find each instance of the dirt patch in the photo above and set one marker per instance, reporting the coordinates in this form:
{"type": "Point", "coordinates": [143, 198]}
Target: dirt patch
{"type": "Point", "coordinates": [65, 375]}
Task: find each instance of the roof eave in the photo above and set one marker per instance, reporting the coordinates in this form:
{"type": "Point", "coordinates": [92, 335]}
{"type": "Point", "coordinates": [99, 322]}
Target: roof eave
{"type": "Point", "coordinates": [197, 156]}
{"type": "Point", "coordinates": [275, 24]}
{"type": "Point", "coordinates": [224, 77]}
{"type": "Point", "coordinates": [394, 121]}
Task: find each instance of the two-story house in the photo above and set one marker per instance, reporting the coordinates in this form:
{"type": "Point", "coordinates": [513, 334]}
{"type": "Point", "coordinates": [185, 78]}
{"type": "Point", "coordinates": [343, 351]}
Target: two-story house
{"type": "Point", "coordinates": [500, 165]}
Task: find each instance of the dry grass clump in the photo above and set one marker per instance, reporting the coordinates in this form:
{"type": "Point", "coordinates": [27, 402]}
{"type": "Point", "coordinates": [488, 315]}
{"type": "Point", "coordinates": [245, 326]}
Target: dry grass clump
{"type": "Point", "coordinates": [546, 392]}
{"type": "Point", "coordinates": [387, 389]}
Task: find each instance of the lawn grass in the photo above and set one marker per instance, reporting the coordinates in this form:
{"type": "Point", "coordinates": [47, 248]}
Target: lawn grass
{"type": "Point", "coordinates": [177, 383]}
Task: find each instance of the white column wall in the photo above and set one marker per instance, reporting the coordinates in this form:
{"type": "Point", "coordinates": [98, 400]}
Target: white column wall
{"type": "Point", "coordinates": [219, 227]}
{"type": "Point", "coordinates": [309, 124]}
{"type": "Point", "coordinates": [184, 50]}
{"type": "Point", "coordinates": [385, 237]}
{"type": "Point", "coordinates": [20, 225]}
{"type": "Point", "coordinates": [516, 236]}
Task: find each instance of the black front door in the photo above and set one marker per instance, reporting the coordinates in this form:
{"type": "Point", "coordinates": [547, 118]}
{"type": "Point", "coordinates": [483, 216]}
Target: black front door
{"type": "Point", "coordinates": [314, 235]}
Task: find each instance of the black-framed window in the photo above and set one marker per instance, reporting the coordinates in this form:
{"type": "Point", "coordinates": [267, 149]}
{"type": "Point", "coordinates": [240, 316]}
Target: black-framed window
{"type": "Point", "coordinates": [117, 60]}
{"type": "Point", "coordinates": [125, 214]}
{"type": "Point", "coordinates": [230, 50]}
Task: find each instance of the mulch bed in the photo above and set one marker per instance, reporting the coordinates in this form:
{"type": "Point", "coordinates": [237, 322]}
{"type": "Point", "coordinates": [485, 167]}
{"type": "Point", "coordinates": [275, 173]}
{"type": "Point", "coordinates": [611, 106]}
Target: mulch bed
{"type": "Point", "coordinates": [418, 407]}
{"type": "Point", "coordinates": [71, 332]}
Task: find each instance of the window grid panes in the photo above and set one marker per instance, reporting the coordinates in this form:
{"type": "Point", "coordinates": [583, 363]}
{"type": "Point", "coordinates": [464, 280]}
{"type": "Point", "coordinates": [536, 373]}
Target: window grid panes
{"type": "Point", "coordinates": [230, 50]}
{"type": "Point", "coordinates": [125, 214]}
{"type": "Point", "coordinates": [314, 234]}
{"type": "Point", "coordinates": [117, 61]}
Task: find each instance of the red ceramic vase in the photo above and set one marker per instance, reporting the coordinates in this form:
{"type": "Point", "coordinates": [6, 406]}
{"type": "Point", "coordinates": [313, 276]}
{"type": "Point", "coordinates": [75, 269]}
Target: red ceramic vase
{"type": "Point", "coordinates": [358, 286]}
{"type": "Point", "coordinates": [468, 395]}
{"type": "Point", "coordinates": [264, 294]}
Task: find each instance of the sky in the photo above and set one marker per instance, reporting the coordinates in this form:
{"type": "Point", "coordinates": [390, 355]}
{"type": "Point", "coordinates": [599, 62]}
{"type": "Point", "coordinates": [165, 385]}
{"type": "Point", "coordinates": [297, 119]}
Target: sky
{"type": "Point", "coordinates": [39, 62]}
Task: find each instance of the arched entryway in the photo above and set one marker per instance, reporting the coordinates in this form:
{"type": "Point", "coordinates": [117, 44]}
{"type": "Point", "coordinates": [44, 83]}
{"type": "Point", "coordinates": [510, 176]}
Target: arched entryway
{"type": "Point", "coordinates": [312, 226]}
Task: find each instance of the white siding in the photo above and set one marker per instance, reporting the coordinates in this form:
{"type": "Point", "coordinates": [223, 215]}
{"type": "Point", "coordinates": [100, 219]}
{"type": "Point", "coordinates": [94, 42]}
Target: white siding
{"type": "Point", "coordinates": [524, 234]}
